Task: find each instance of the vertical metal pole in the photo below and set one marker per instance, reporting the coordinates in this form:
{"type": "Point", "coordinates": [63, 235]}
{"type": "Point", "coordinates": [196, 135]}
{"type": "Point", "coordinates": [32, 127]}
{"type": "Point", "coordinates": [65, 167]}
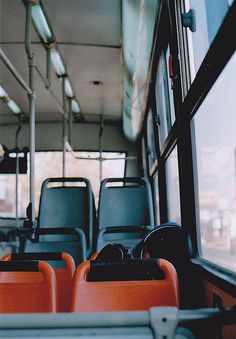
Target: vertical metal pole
{"type": "Point", "coordinates": [17, 174]}
{"type": "Point", "coordinates": [64, 148]}
{"type": "Point", "coordinates": [31, 64]}
{"type": "Point", "coordinates": [70, 121]}
{"type": "Point", "coordinates": [17, 186]}
{"type": "Point", "coordinates": [64, 129]}
{"type": "Point", "coordinates": [28, 30]}
{"type": "Point", "coordinates": [100, 148]}
{"type": "Point", "coordinates": [32, 136]}
{"type": "Point", "coordinates": [48, 75]}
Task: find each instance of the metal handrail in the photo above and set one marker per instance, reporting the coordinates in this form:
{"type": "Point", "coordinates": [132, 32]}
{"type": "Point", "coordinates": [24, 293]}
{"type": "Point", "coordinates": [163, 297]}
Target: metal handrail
{"type": "Point", "coordinates": [14, 72]}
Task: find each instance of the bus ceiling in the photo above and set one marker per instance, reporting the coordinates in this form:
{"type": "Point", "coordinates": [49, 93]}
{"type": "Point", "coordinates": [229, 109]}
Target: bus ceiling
{"type": "Point", "coordinates": [104, 63]}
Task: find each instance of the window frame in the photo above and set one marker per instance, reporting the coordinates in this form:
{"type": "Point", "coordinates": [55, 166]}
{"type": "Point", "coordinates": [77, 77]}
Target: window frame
{"type": "Point", "coordinates": [209, 71]}
{"type": "Point", "coordinates": [165, 38]}
{"type": "Point", "coordinates": [187, 99]}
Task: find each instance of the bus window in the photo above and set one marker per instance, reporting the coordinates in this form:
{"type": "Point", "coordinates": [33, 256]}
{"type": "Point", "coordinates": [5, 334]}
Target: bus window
{"type": "Point", "coordinates": [144, 158]}
{"type": "Point", "coordinates": [7, 195]}
{"type": "Point", "coordinates": [87, 164]}
{"type": "Point", "coordinates": [164, 98]}
{"type": "Point", "coordinates": [172, 180]}
{"type": "Point", "coordinates": [45, 168]}
{"type": "Point", "coordinates": [170, 90]}
{"type": "Point", "coordinates": [209, 15]}
{"type": "Point", "coordinates": [113, 165]}
{"type": "Point", "coordinates": [216, 170]}
{"type": "Point", "coordinates": [152, 156]}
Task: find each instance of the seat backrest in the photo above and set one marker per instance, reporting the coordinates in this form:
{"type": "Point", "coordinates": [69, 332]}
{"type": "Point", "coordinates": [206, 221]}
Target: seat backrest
{"type": "Point", "coordinates": [27, 287]}
{"type": "Point", "coordinates": [76, 246]}
{"type": "Point", "coordinates": [88, 296]}
{"type": "Point", "coordinates": [127, 205]}
{"type": "Point", "coordinates": [67, 206]}
{"type": "Point", "coordinates": [64, 274]}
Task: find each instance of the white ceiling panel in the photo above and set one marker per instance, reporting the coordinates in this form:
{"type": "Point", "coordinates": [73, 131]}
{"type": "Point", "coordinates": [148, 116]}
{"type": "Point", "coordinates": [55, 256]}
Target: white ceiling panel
{"type": "Point", "coordinates": [96, 22]}
{"type": "Point", "coordinates": [12, 15]}
{"type": "Point", "coordinates": [85, 64]}
{"type": "Point", "coordinates": [88, 33]}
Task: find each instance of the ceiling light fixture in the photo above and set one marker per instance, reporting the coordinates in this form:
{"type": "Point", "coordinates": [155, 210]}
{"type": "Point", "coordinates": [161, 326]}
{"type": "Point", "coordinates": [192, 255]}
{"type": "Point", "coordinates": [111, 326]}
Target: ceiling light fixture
{"type": "Point", "coordinates": [68, 88]}
{"type": "Point", "coordinates": [13, 107]}
{"type": "Point", "coordinates": [9, 102]}
{"type": "Point", "coordinates": [57, 62]}
{"type": "Point", "coordinates": [3, 93]}
{"type": "Point", "coordinates": [75, 106]}
{"type": "Point", "coordinates": [41, 24]}
{"type": "Point", "coordinates": [43, 28]}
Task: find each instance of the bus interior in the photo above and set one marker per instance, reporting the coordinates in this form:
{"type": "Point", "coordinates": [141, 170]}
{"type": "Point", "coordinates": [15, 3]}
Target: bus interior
{"type": "Point", "coordinates": [117, 169]}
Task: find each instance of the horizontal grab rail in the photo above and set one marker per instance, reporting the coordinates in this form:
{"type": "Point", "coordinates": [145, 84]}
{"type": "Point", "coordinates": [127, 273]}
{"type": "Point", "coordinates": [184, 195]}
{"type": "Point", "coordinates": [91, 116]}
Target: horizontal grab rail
{"type": "Point", "coordinates": [107, 319]}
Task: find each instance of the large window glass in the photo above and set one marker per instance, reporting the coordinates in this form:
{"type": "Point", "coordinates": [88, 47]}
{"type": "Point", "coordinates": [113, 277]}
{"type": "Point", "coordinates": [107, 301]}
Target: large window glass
{"type": "Point", "coordinates": [144, 159]}
{"type": "Point", "coordinates": [156, 200]}
{"type": "Point", "coordinates": [208, 17]}
{"type": "Point", "coordinates": [172, 181]}
{"type": "Point", "coordinates": [215, 127]}
{"type": "Point", "coordinates": [8, 193]}
{"type": "Point", "coordinates": [49, 164]}
{"type": "Point", "coordinates": [95, 167]}
{"type": "Point", "coordinates": [170, 86]}
{"type": "Point", "coordinates": [152, 156]}
{"type": "Point", "coordinates": [164, 97]}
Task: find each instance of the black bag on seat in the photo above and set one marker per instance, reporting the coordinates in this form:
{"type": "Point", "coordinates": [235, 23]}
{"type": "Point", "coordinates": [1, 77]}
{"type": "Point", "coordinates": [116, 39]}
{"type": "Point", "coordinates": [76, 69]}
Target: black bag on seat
{"type": "Point", "coordinates": [113, 252]}
{"type": "Point", "coordinates": [166, 241]}
{"type": "Point", "coordinates": [125, 270]}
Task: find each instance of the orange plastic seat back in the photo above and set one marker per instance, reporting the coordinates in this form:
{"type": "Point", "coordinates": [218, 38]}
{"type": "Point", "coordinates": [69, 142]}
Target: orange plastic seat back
{"type": "Point", "coordinates": [64, 275]}
{"type": "Point", "coordinates": [124, 295]}
{"type": "Point", "coordinates": [34, 291]}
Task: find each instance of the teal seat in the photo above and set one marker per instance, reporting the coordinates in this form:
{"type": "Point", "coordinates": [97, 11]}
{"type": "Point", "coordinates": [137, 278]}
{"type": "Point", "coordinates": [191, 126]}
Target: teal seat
{"type": "Point", "coordinates": [125, 211]}
{"type": "Point", "coordinates": [67, 203]}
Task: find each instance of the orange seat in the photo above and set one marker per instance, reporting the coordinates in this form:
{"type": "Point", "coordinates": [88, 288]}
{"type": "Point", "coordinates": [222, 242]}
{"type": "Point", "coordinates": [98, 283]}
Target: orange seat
{"type": "Point", "coordinates": [64, 275]}
{"type": "Point", "coordinates": [20, 292]}
{"type": "Point", "coordinates": [124, 295]}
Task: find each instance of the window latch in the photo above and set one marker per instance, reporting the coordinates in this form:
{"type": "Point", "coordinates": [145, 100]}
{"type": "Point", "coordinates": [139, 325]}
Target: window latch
{"type": "Point", "coordinates": [189, 20]}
